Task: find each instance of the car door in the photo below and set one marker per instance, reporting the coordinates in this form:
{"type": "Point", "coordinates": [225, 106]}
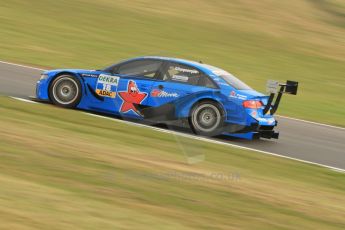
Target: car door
{"type": "Point", "coordinates": [123, 87]}
{"type": "Point", "coordinates": [136, 79]}
{"type": "Point", "coordinates": [177, 81]}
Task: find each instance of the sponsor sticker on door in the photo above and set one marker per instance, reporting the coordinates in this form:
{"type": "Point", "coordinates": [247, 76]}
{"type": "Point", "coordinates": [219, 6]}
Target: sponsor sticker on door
{"type": "Point", "coordinates": [107, 85]}
{"type": "Point", "coordinates": [162, 93]}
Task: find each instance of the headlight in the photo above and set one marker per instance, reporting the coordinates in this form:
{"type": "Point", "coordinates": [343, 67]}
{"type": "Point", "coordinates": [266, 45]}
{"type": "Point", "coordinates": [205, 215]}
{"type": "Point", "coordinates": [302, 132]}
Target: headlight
{"type": "Point", "coordinates": [44, 76]}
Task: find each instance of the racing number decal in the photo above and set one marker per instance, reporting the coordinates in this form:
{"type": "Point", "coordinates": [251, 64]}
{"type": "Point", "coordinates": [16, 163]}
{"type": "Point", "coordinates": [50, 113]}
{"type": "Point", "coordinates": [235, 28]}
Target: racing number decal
{"type": "Point", "coordinates": [107, 85]}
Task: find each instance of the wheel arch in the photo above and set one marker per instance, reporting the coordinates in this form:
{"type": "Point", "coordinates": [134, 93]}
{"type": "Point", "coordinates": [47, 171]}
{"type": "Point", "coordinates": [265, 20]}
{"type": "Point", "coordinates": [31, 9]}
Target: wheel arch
{"type": "Point", "coordinates": [184, 110]}
{"type": "Point", "coordinates": [51, 80]}
{"type": "Point", "coordinates": [213, 100]}
{"type": "Point", "coordinates": [215, 130]}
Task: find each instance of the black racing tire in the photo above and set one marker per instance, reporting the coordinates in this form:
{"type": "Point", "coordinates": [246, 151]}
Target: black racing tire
{"type": "Point", "coordinates": [207, 118]}
{"type": "Point", "coordinates": [65, 91]}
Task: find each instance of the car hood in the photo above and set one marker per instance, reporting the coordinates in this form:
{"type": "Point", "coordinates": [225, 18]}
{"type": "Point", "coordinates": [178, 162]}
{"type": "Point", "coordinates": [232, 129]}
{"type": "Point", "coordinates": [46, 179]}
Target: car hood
{"type": "Point", "coordinates": [73, 71]}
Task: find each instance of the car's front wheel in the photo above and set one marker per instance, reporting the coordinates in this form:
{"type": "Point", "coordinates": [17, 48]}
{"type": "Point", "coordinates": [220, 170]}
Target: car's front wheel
{"type": "Point", "coordinates": [65, 91]}
{"type": "Point", "coordinates": [207, 118]}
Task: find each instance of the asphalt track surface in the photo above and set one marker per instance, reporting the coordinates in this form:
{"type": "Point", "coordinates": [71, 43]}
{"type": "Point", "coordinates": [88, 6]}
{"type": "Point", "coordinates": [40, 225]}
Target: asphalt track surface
{"type": "Point", "coordinates": [300, 140]}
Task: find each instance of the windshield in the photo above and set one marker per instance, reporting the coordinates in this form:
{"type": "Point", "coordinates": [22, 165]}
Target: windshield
{"type": "Point", "coordinates": [235, 82]}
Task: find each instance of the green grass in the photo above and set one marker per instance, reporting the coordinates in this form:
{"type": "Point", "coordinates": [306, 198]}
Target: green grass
{"type": "Point", "coordinates": [63, 169]}
{"type": "Point", "coordinates": [299, 40]}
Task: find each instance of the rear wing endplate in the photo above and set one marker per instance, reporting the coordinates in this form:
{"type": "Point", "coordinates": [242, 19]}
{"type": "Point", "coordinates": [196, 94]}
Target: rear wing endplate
{"type": "Point", "coordinates": [276, 88]}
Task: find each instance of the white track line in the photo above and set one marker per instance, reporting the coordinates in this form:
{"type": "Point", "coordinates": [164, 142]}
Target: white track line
{"type": "Point", "coordinates": [24, 66]}
{"type": "Point", "coordinates": [25, 100]}
{"type": "Point", "coordinates": [215, 141]}
{"type": "Point", "coordinates": [291, 118]}
{"type": "Point", "coordinates": [311, 122]}
{"type": "Point", "coordinates": [200, 138]}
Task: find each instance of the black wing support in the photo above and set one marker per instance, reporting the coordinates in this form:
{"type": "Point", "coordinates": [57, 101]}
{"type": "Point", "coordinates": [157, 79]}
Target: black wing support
{"type": "Point", "coordinates": [276, 88]}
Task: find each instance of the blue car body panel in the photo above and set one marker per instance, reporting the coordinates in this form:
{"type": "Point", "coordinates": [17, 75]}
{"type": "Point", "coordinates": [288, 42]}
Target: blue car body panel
{"type": "Point", "coordinates": [180, 97]}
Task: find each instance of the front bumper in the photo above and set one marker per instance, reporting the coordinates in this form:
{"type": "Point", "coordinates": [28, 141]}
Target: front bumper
{"type": "Point", "coordinates": [42, 90]}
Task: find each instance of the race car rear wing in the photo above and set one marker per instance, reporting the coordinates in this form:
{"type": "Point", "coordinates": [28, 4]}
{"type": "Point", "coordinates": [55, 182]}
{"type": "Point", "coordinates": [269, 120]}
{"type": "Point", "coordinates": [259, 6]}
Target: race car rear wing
{"type": "Point", "coordinates": [276, 88]}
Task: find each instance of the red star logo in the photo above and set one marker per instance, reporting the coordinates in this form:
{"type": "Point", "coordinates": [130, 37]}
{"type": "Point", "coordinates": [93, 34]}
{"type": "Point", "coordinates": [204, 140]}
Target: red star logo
{"type": "Point", "coordinates": [155, 93]}
{"type": "Point", "coordinates": [130, 97]}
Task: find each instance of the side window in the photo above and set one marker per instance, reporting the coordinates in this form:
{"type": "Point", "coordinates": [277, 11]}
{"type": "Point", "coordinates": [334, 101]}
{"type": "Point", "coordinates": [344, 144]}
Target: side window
{"type": "Point", "coordinates": [146, 68]}
{"type": "Point", "coordinates": [187, 74]}
{"type": "Point", "coordinates": [182, 73]}
{"type": "Point", "coordinates": [207, 82]}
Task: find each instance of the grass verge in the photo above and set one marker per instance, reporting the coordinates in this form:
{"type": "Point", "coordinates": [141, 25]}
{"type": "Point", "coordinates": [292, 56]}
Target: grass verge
{"type": "Point", "coordinates": [62, 169]}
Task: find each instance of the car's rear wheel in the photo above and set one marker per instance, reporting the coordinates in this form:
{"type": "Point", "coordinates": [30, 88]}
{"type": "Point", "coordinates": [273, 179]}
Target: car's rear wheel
{"type": "Point", "coordinates": [65, 91]}
{"type": "Point", "coordinates": [207, 118]}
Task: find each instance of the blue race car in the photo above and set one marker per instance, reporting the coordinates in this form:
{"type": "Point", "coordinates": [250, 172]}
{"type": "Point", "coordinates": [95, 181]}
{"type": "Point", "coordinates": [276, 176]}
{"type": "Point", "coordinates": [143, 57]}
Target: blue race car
{"type": "Point", "coordinates": [164, 89]}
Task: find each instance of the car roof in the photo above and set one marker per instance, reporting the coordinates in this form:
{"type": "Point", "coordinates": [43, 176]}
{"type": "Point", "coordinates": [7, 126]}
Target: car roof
{"type": "Point", "coordinates": [208, 69]}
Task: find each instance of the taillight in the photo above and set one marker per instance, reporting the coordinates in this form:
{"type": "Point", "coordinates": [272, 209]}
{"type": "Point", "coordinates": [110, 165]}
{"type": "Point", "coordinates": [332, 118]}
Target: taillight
{"type": "Point", "coordinates": [252, 104]}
